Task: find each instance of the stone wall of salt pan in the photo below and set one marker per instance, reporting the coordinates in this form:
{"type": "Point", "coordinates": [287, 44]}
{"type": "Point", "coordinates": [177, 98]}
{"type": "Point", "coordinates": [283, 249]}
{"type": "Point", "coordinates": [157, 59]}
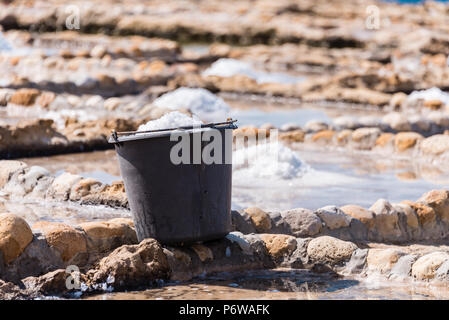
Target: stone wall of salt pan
{"type": "Point", "coordinates": [230, 67]}
{"type": "Point", "coordinates": [202, 103]}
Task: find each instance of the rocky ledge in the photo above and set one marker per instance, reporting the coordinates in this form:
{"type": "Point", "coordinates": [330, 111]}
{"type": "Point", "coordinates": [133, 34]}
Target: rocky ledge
{"type": "Point", "coordinates": [42, 137]}
{"type": "Point", "coordinates": [105, 256]}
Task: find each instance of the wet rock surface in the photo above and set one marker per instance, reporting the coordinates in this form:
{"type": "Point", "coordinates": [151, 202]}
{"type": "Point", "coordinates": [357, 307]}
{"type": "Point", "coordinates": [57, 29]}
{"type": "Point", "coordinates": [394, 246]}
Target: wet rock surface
{"type": "Point", "coordinates": [148, 263]}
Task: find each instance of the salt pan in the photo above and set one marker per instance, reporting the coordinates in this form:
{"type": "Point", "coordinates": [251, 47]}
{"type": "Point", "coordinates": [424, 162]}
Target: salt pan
{"type": "Point", "coordinates": [170, 120]}
{"type": "Point", "coordinates": [200, 102]}
{"type": "Point", "coordinates": [230, 67]}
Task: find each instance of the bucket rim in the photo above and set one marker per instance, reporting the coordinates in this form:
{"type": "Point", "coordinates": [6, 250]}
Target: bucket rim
{"type": "Point", "coordinates": [117, 137]}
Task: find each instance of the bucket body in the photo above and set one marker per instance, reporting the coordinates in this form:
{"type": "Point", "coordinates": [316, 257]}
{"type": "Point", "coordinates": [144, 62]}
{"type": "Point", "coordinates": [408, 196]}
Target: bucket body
{"type": "Point", "coordinates": [176, 203]}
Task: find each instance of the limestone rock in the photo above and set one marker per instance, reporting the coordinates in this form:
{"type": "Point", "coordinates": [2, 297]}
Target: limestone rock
{"type": "Point", "coordinates": [104, 236]}
{"type": "Point", "coordinates": [98, 51]}
{"type": "Point", "coordinates": [62, 185]}
{"type": "Point", "coordinates": [425, 267]}
{"type": "Point", "coordinates": [84, 187]}
{"type": "Point", "coordinates": [315, 126]}
{"type": "Point", "coordinates": [439, 201]}
{"type": "Point", "coordinates": [260, 219]}
{"type": "Point", "coordinates": [298, 258]}
{"type": "Point", "coordinates": [38, 258]}
{"type": "Point", "coordinates": [323, 135]}
{"type": "Point", "coordinates": [113, 195]}
{"type": "Point", "coordinates": [7, 168]}
{"type": "Point", "coordinates": [131, 265]}
{"type": "Point", "coordinates": [333, 217]}
{"type": "Point", "coordinates": [68, 241]}
{"type": "Point", "coordinates": [327, 249]}
{"type": "Point", "coordinates": [302, 222]}
{"type": "Point", "coordinates": [293, 136]}
{"type": "Point", "coordinates": [242, 222]}
{"type": "Point", "coordinates": [382, 260]}
{"type": "Point", "coordinates": [26, 180]}
{"type": "Point", "coordinates": [344, 136]}
{"type": "Point", "coordinates": [406, 140]}
{"type": "Point", "coordinates": [386, 220]}
{"type": "Point", "coordinates": [279, 245]}
{"type": "Point", "coordinates": [397, 100]}
{"type": "Point", "coordinates": [15, 236]}
{"type": "Point", "coordinates": [46, 98]}
{"type": "Point", "coordinates": [426, 214]}
{"type": "Point", "coordinates": [362, 214]}
{"type": "Point", "coordinates": [366, 137]}
{"type": "Point", "coordinates": [9, 291]}
{"type": "Point", "coordinates": [434, 145]}
{"type": "Point", "coordinates": [52, 283]}
{"type": "Point", "coordinates": [411, 217]}
{"type": "Point", "coordinates": [24, 97]}
{"type": "Point", "coordinates": [384, 139]}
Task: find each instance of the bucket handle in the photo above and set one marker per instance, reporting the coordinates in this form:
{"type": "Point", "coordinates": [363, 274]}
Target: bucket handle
{"type": "Point", "coordinates": [115, 134]}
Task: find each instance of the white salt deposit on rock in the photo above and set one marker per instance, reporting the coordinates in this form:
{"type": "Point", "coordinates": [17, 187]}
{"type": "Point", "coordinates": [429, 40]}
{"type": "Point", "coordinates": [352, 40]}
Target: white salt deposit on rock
{"type": "Point", "coordinates": [271, 160]}
{"type": "Point", "coordinates": [230, 67]}
{"type": "Point", "coordinates": [170, 120]}
{"type": "Point", "coordinates": [429, 94]}
{"type": "Point", "coordinates": [59, 117]}
{"type": "Point", "coordinates": [4, 44]}
{"type": "Point", "coordinates": [200, 102]}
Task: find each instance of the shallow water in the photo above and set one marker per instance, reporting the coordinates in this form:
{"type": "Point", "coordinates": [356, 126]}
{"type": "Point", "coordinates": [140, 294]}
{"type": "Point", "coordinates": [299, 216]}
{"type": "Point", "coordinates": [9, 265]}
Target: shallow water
{"type": "Point", "coordinates": [282, 284]}
{"type": "Point", "coordinates": [258, 117]}
{"type": "Point", "coordinates": [56, 211]}
{"type": "Point", "coordinates": [255, 110]}
{"type": "Point", "coordinates": [334, 178]}
{"type": "Point", "coordinates": [97, 161]}
{"type": "Point", "coordinates": [340, 178]}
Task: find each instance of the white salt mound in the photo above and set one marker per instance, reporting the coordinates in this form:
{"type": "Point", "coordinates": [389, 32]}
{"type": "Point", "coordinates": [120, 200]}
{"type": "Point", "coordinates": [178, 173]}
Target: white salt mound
{"type": "Point", "coordinates": [200, 102]}
{"type": "Point", "coordinates": [170, 120]}
{"type": "Point", "coordinates": [4, 44]}
{"type": "Point", "coordinates": [429, 94]}
{"type": "Point", "coordinates": [230, 67]}
{"type": "Point", "coordinates": [270, 161]}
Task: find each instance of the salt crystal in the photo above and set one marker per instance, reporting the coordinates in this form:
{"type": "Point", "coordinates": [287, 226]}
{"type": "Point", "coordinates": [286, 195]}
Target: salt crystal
{"type": "Point", "coordinates": [200, 102]}
{"type": "Point", "coordinates": [174, 119]}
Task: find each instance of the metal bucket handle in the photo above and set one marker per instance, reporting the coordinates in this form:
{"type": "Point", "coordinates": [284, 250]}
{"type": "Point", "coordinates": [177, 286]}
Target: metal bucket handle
{"type": "Point", "coordinates": [115, 135]}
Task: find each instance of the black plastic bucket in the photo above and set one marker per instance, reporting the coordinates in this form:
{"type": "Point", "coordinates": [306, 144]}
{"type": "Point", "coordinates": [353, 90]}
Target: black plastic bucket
{"type": "Point", "coordinates": [176, 203]}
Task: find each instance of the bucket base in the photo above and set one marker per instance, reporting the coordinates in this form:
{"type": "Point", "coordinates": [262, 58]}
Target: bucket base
{"type": "Point", "coordinates": [189, 241]}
